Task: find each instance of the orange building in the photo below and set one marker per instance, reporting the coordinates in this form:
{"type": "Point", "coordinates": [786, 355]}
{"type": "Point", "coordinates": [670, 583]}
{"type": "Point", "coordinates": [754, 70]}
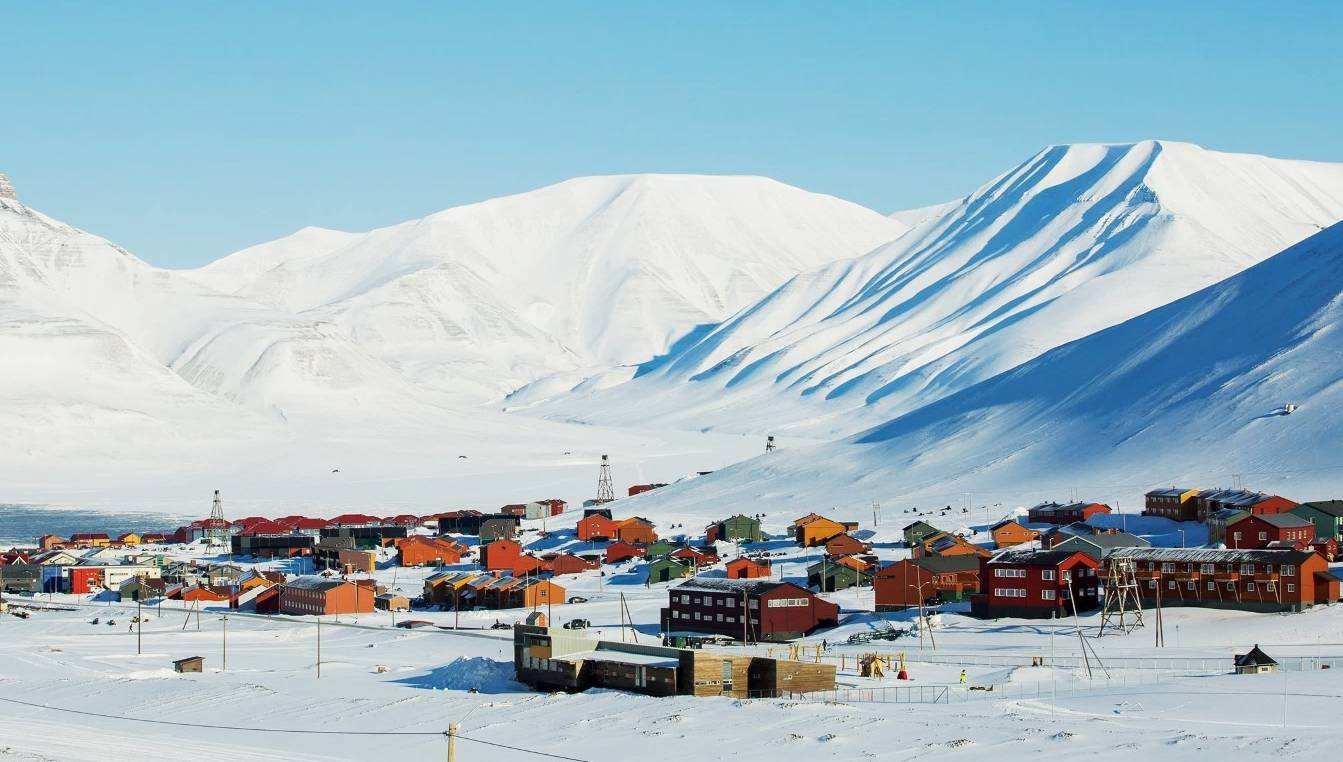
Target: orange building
{"type": "Point", "coordinates": [944, 544]}
{"type": "Point", "coordinates": [313, 595]}
{"type": "Point", "coordinates": [844, 544]}
{"type": "Point", "coordinates": [428, 551]}
{"type": "Point", "coordinates": [622, 551]}
{"type": "Point", "coordinates": [500, 555]}
{"type": "Point", "coordinates": [597, 527]}
{"type": "Point", "coordinates": [748, 568]}
{"type": "Point", "coordinates": [1009, 532]}
{"type": "Point", "coordinates": [818, 530]}
{"type": "Point", "coordinates": [636, 531]}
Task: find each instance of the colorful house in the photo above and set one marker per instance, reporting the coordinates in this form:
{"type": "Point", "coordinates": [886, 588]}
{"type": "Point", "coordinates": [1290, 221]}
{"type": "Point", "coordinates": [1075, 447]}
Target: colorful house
{"type": "Point", "coordinates": [1265, 529]}
{"type": "Point", "coordinates": [1036, 584]}
{"type": "Point", "coordinates": [666, 569]}
{"type": "Point", "coordinates": [636, 531]}
{"type": "Point", "coordinates": [1326, 515]}
{"type": "Point", "coordinates": [596, 527]}
{"type": "Point", "coordinates": [918, 532]}
{"type": "Point", "coordinates": [1174, 503]}
{"type": "Point", "coordinates": [818, 530]}
{"type": "Point", "coordinates": [748, 568]}
{"type": "Point", "coordinates": [1064, 513]}
{"type": "Point", "coordinates": [736, 528]}
{"type": "Point", "coordinates": [500, 555]}
{"type": "Point", "coordinates": [1010, 532]}
{"type": "Point", "coordinates": [621, 551]}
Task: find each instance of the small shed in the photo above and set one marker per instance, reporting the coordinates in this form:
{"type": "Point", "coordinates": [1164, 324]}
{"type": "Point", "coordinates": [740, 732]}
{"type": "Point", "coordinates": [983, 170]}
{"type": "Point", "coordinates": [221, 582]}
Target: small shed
{"type": "Point", "coordinates": [391, 602]}
{"type": "Point", "coordinates": [1255, 662]}
{"type": "Point", "coordinates": [189, 664]}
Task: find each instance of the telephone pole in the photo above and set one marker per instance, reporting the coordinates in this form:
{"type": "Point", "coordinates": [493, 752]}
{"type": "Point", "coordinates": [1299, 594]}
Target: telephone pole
{"type": "Point", "coordinates": [139, 624]}
{"type": "Point", "coordinates": [225, 659]}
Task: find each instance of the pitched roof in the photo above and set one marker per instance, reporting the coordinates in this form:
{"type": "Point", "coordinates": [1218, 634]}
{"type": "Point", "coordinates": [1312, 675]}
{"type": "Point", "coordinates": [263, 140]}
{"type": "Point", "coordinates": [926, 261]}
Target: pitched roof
{"type": "Point", "coordinates": [314, 582]}
{"type": "Point", "coordinates": [947, 564]}
{"type": "Point", "coordinates": [1286, 520]}
{"type": "Point", "coordinates": [1168, 492]}
{"type": "Point", "coordinates": [1328, 507]}
{"type": "Point", "coordinates": [1027, 557]}
{"type": "Point", "coordinates": [1255, 658]}
{"type": "Point", "coordinates": [724, 585]}
{"type": "Point", "coordinates": [1212, 555]}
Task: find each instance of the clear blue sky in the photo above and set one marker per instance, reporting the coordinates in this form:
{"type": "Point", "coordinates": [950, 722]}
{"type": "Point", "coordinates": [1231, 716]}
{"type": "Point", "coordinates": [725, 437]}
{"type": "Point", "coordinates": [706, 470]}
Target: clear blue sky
{"type": "Point", "coordinates": [184, 131]}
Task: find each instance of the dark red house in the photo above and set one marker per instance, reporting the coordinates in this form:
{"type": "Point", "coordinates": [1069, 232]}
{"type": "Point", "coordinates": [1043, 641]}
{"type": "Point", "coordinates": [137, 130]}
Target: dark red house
{"type": "Point", "coordinates": [622, 551]}
{"type": "Point", "coordinates": [1036, 584]}
{"type": "Point", "coordinates": [1254, 532]}
{"type": "Point", "coordinates": [1064, 513]}
{"type": "Point", "coordinates": [778, 611]}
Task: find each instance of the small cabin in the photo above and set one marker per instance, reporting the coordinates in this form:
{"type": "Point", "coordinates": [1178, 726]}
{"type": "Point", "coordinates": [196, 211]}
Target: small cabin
{"type": "Point", "coordinates": [1255, 662]}
{"type": "Point", "coordinates": [189, 664]}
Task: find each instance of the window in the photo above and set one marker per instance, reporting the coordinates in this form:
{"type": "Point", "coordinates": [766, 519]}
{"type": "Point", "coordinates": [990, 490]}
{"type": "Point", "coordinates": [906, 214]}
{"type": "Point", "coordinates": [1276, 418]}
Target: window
{"type": "Point", "coordinates": [1212, 586]}
{"type": "Point", "coordinates": [1291, 588]}
{"type": "Point", "coordinates": [1047, 574]}
{"type": "Point", "coordinates": [1288, 570]}
{"type": "Point", "coordinates": [1170, 585]}
{"type": "Point", "coordinates": [1167, 567]}
{"type": "Point", "coordinates": [1263, 535]}
{"type": "Point", "coordinates": [1047, 595]}
{"type": "Point", "coordinates": [1231, 586]}
{"type": "Point", "coordinates": [1268, 568]}
{"type": "Point", "coordinates": [1151, 583]}
{"type": "Point", "coordinates": [730, 619]}
{"type": "Point", "coordinates": [1271, 587]}
{"type": "Point", "coordinates": [1236, 535]}
{"type": "Point", "coordinates": [1249, 587]}
{"type": "Point", "coordinates": [720, 617]}
{"type": "Point", "coordinates": [1206, 568]}
{"type": "Point", "coordinates": [1247, 568]}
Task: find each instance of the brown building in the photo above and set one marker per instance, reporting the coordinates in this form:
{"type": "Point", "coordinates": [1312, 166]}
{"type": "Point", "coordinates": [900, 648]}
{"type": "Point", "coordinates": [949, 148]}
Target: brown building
{"type": "Point", "coordinates": [1174, 503]}
{"type": "Point", "coordinates": [313, 595]}
{"type": "Point", "coordinates": [779, 611]}
{"type": "Point", "coordinates": [748, 568]}
{"type": "Point", "coordinates": [557, 659]}
{"type": "Point", "coordinates": [428, 551]}
{"type": "Point", "coordinates": [812, 530]}
{"type": "Point", "coordinates": [931, 580]}
{"type": "Point", "coordinates": [1253, 580]}
{"type": "Point", "coordinates": [1064, 513]}
{"type": "Point", "coordinates": [844, 544]}
{"type": "Point", "coordinates": [944, 544]}
{"type": "Point", "coordinates": [1210, 501]}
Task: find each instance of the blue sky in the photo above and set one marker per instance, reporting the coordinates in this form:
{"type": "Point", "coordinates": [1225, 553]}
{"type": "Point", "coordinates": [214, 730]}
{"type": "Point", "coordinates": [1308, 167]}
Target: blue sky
{"type": "Point", "coordinates": [184, 131]}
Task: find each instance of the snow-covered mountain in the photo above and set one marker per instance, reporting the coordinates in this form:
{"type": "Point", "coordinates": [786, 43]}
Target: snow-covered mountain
{"type": "Point", "coordinates": [1074, 240]}
{"type": "Point", "coordinates": [1189, 393]}
{"type": "Point", "coordinates": [376, 347]}
{"type": "Point", "coordinates": [591, 272]}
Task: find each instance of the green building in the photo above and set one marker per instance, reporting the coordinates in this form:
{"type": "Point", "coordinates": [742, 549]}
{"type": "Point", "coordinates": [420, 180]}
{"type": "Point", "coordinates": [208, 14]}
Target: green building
{"type": "Point", "coordinates": [736, 528]}
{"type": "Point", "coordinates": [1326, 515]}
{"type": "Point", "coordinates": [918, 532]}
{"type": "Point", "coordinates": [659, 549]}
{"type": "Point", "coordinates": [828, 576]}
{"type": "Point", "coordinates": [666, 569]}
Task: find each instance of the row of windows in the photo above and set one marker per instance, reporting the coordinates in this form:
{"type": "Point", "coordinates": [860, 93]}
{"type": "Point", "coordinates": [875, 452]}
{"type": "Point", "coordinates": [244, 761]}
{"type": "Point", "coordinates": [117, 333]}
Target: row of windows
{"type": "Point", "coordinates": [709, 600]}
{"type": "Point", "coordinates": [1045, 574]}
{"type": "Point", "coordinates": [1250, 587]}
{"type": "Point", "coordinates": [1045, 595]}
{"type": "Point", "coordinates": [1167, 566]}
{"type": "Point", "coordinates": [696, 616]}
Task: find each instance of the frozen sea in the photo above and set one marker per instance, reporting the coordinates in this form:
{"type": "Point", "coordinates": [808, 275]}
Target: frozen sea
{"type": "Point", "coordinates": [23, 524]}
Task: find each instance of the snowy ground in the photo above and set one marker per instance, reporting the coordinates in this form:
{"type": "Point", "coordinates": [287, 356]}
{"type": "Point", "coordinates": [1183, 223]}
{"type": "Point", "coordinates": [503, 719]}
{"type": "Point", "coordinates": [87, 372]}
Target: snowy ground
{"type": "Point", "coordinates": [379, 679]}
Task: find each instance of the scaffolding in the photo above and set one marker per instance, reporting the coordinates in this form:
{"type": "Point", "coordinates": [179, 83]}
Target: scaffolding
{"type": "Point", "coordinates": [605, 490]}
{"type": "Point", "coordinates": [216, 529]}
{"type": "Point", "coordinates": [1123, 608]}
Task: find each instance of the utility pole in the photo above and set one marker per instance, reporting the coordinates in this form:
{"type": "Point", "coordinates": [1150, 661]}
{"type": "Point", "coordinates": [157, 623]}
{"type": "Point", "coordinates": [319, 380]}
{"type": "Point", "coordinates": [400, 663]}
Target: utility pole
{"type": "Point", "coordinates": [319, 648]}
{"type": "Point", "coordinates": [225, 660]}
{"type": "Point", "coordinates": [452, 742]}
{"type": "Point", "coordinates": [876, 506]}
{"type": "Point", "coordinates": [139, 624]}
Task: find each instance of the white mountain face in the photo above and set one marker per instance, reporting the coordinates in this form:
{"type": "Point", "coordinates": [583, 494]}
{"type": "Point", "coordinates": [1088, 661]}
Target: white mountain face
{"type": "Point", "coordinates": [479, 299]}
{"type": "Point", "coordinates": [1190, 393]}
{"type": "Point", "coordinates": [1074, 240]}
{"type": "Point", "coordinates": [331, 346]}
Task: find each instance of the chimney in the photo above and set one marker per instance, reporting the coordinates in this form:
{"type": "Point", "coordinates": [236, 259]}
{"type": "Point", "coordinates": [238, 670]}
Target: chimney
{"type": "Point", "coordinates": [7, 190]}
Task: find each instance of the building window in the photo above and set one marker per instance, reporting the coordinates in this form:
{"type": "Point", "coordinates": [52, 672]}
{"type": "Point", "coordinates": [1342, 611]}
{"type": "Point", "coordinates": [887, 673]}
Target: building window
{"type": "Point", "coordinates": [1263, 536]}
{"type": "Point", "coordinates": [1206, 568]}
{"type": "Point", "coordinates": [1231, 586]}
{"type": "Point", "coordinates": [1288, 570]}
{"type": "Point", "coordinates": [1212, 586]}
{"type": "Point", "coordinates": [1272, 587]}
{"type": "Point", "coordinates": [1170, 585]}
{"type": "Point", "coordinates": [1236, 535]}
{"type": "Point", "coordinates": [1291, 588]}
{"type": "Point", "coordinates": [1247, 568]}
{"type": "Point", "coordinates": [1189, 586]}
{"type": "Point", "coordinates": [1168, 567]}
{"type": "Point", "coordinates": [1249, 587]}
{"type": "Point", "coordinates": [1047, 595]}
{"type": "Point", "coordinates": [1151, 583]}
{"type": "Point", "coordinates": [720, 617]}
{"type": "Point", "coordinates": [1047, 574]}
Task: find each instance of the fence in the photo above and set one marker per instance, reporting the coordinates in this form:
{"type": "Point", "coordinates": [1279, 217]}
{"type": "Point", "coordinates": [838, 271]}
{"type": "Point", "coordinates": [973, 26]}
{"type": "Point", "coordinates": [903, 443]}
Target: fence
{"type": "Point", "coordinates": [960, 694]}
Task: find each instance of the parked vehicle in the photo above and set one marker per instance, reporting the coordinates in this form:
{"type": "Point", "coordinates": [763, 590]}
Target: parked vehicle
{"type": "Point", "coordinates": [577, 599]}
{"type": "Point", "coordinates": [577, 624]}
{"type": "Point", "coordinates": [411, 624]}
{"type": "Point", "coordinates": [498, 625]}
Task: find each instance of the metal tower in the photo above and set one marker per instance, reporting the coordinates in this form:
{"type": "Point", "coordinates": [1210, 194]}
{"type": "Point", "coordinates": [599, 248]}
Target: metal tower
{"type": "Point", "coordinates": [769, 444]}
{"type": "Point", "coordinates": [1123, 608]}
{"type": "Point", "coordinates": [605, 491]}
{"type": "Point", "coordinates": [216, 529]}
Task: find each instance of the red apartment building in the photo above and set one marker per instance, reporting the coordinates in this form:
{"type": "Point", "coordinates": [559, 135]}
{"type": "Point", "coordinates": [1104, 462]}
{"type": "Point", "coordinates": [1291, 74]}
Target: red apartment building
{"type": "Point", "coordinates": [1036, 584]}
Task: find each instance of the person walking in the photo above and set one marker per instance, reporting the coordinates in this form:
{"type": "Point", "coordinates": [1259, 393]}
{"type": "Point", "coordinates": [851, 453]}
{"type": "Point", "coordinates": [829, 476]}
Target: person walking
{"type": "Point", "coordinates": [963, 677]}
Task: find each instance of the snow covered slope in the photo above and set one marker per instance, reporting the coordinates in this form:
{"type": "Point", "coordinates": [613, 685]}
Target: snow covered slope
{"type": "Point", "coordinates": [591, 272]}
{"type": "Point", "coordinates": [1189, 393]}
{"type": "Point", "coordinates": [1074, 240]}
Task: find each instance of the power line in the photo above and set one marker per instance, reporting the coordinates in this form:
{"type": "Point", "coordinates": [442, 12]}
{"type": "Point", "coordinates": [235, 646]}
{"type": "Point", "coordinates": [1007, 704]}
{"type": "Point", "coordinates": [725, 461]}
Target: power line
{"type": "Point", "coordinates": [289, 731]}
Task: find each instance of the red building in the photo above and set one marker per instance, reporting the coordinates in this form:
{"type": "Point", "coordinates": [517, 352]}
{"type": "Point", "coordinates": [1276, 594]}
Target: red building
{"type": "Point", "coordinates": [1260, 531]}
{"type": "Point", "coordinates": [622, 551]}
{"type": "Point", "coordinates": [314, 595]}
{"type": "Point", "coordinates": [748, 568]}
{"type": "Point", "coordinates": [641, 488]}
{"type": "Point", "coordinates": [1036, 584]}
{"type": "Point", "coordinates": [567, 563]}
{"type": "Point", "coordinates": [1252, 580]}
{"type": "Point", "coordinates": [500, 555]}
{"type": "Point", "coordinates": [1064, 513]}
{"type": "Point", "coordinates": [85, 579]}
{"type": "Point", "coordinates": [928, 580]}
{"type": "Point", "coordinates": [636, 531]}
{"type": "Point", "coordinates": [695, 557]}
{"type": "Point", "coordinates": [597, 527]}
{"type": "Point", "coordinates": [778, 611]}
{"type": "Point", "coordinates": [428, 551]}
{"type": "Point", "coordinates": [1210, 501]}
{"type": "Point", "coordinates": [845, 545]}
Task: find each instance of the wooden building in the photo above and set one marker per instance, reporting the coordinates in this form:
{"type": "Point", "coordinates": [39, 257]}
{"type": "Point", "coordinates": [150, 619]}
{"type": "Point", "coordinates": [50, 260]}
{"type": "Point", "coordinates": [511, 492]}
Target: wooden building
{"type": "Point", "coordinates": [696, 557]}
{"type": "Point", "coordinates": [390, 601]}
{"type": "Point", "coordinates": [636, 531]}
{"type": "Point", "coordinates": [553, 659]}
{"type": "Point", "coordinates": [931, 580]}
{"type": "Point", "coordinates": [1326, 515]}
{"type": "Point", "coordinates": [844, 544]}
{"type": "Point", "coordinates": [1219, 521]}
{"type": "Point", "coordinates": [1253, 580]}
{"type": "Point", "coordinates": [314, 595]}
{"type": "Point", "coordinates": [945, 544]}
{"type": "Point", "coordinates": [500, 555]}
{"type": "Point", "coordinates": [735, 528]}
{"type": "Point", "coordinates": [666, 569]}
{"type": "Point", "coordinates": [428, 551]}
{"type": "Point", "coordinates": [918, 531]}
{"type": "Point", "coordinates": [1036, 584]}
{"type": "Point", "coordinates": [829, 575]}
{"type": "Point", "coordinates": [1010, 533]}
{"type": "Point", "coordinates": [1255, 503]}
{"type": "Point", "coordinates": [621, 551]}
{"type": "Point", "coordinates": [597, 527]}
{"type": "Point", "coordinates": [1064, 513]}
{"type": "Point", "coordinates": [1174, 503]}
{"type": "Point", "coordinates": [568, 563]}
{"type": "Point", "coordinates": [1266, 529]}
{"type": "Point", "coordinates": [498, 527]}
{"type": "Point", "coordinates": [778, 611]}
{"type": "Point", "coordinates": [1256, 662]}
{"type": "Point", "coordinates": [816, 530]}
{"type": "Point", "coordinates": [748, 568]}
{"type": "Point", "coordinates": [444, 587]}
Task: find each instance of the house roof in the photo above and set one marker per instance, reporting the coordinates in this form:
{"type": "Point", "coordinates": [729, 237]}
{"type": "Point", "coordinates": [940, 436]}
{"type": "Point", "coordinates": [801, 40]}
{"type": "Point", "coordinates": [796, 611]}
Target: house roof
{"type": "Point", "coordinates": [1211, 555]}
{"type": "Point", "coordinates": [1286, 520]}
{"type": "Point", "coordinates": [1168, 492]}
{"type": "Point", "coordinates": [1255, 658]}
{"type": "Point", "coordinates": [1228, 515]}
{"type": "Point", "coordinates": [920, 523]}
{"type": "Point", "coordinates": [1108, 540]}
{"type": "Point", "coordinates": [947, 564]}
{"type": "Point", "coordinates": [1027, 557]}
{"type": "Point", "coordinates": [313, 582]}
{"type": "Point", "coordinates": [724, 585]}
{"type": "Point", "coordinates": [1328, 507]}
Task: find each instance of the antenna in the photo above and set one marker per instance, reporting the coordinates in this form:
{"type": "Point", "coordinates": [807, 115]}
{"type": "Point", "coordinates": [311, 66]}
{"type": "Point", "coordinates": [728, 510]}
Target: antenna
{"type": "Point", "coordinates": [769, 443]}
{"type": "Point", "coordinates": [216, 531]}
{"type": "Point", "coordinates": [605, 491]}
